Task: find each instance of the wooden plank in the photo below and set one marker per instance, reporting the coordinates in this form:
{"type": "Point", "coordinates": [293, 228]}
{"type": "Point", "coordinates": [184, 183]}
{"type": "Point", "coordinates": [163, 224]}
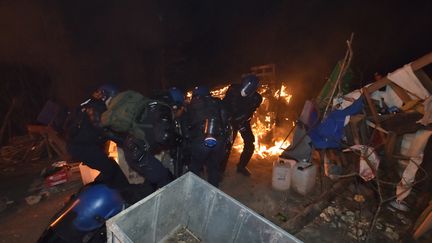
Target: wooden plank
{"type": "Point", "coordinates": [403, 95]}
{"type": "Point", "coordinates": [389, 146]}
{"type": "Point", "coordinates": [424, 79]}
{"type": "Point", "coordinates": [375, 115]}
{"type": "Point", "coordinates": [421, 62]}
{"type": "Point", "coordinates": [377, 85]}
{"type": "Point", "coordinates": [371, 105]}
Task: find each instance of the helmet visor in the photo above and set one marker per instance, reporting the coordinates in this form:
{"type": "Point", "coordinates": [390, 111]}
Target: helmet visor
{"type": "Point", "coordinates": [248, 89]}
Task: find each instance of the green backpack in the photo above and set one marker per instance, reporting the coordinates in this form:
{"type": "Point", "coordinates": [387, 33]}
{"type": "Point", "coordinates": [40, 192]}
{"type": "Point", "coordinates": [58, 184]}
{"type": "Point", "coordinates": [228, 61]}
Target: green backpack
{"type": "Point", "coordinates": [122, 110]}
{"type": "Point", "coordinates": [146, 119]}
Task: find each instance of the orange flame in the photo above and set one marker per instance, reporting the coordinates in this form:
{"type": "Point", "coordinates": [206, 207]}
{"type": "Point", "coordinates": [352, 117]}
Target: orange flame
{"type": "Point", "coordinates": [263, 124]}
{"type": "Point", "coordinates": [283, 94]}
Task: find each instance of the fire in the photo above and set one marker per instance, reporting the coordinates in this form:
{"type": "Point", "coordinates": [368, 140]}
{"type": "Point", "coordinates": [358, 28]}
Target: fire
{"type": "Point", "coordinates": [112, 150]}
{"type": "Point", "coordinates": [188, 95]}
{"type": "Point", "coordinates": [263, 152]}
{"type": "Point", "coordinates": [283, 94]}
{"type": "Point", "coordinates": [263, 124]}
{"type": "Point", "coordinates": [220, 93]}
{"type": "Point", "coordinates": [265, 129]}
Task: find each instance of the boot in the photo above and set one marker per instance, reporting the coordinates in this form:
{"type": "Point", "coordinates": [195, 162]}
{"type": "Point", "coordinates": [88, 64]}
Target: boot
{"type": "Point", "coordinates": [243, 170]}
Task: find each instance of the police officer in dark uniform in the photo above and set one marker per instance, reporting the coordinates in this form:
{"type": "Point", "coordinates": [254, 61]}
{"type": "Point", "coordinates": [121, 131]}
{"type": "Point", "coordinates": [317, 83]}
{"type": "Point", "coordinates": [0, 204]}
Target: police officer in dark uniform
{"type": "Point", "coordinates": [205, 134]}
{"type": "Point", "coordinates": [175, 98]}
{"type": "Point", "coordinates": [86, 139]}
{"type": "Point", "coordinates": [241, 101]}
{"type": "Point", "coordinates": [140, 153]}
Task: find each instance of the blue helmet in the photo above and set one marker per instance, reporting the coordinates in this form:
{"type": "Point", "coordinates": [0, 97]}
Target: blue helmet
{"type": "Point", "coordinates": [95, 205]}
{"type": "Point", "coordinates": [249, 85]}
{"type": "Point", "coordinates": [200, 91]}
{"type": "Point", "coordinates": [176, 95]}
{"type": "Point", "coordinates": [106, 91]}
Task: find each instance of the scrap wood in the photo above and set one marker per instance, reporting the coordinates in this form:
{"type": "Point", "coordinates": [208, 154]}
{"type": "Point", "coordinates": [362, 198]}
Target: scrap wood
{"type": "Point", "coordinates": [21, 148]}
{"type": "Point", "coordinates": [344, 67]}
{"type": "Point", "coordinates": [297, 223]}
{"type": "Point", "coordinates": [53, 140]}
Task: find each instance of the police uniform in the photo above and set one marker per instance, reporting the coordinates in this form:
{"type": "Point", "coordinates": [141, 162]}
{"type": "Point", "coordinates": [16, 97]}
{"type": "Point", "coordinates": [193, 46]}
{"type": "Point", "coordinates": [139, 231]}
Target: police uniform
{"type": "Point", "coordinates": [241, 110]}
{"type": "Point", "coordinates": [200, 110]}
{"type": "Point", "coordinates": [86, 140]}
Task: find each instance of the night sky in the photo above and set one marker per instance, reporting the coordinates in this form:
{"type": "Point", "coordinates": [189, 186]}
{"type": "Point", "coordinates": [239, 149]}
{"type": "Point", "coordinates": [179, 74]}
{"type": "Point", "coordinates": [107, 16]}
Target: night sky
{"type": "Point", "coordinates": [143, 45]}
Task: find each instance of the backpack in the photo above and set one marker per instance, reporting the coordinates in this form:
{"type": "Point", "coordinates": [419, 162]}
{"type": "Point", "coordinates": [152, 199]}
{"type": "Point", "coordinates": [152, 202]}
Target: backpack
{"type": "Point", "coordinates": [123, 110]}
{"type": "Point", "coordinates": [146, 119]}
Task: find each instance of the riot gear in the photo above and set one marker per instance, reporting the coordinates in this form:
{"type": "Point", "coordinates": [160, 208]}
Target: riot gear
{"type": "Point", "coordinates": [204, 127]}
{"type": "Point", "coordinates": [85, 142]}
{"type": "Point", "coordinates": [241, 101]}
{"type": "Point", "coordinates": [210, 132]}
{"type": "Point", "coordinates": [249, 85]}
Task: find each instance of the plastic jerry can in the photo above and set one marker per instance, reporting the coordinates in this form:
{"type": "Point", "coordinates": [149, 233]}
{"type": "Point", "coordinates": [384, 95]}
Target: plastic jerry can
{"type": "Point", "coordinates": [304, 177]}
{"type": "Point", "coordinates": [282, 172]}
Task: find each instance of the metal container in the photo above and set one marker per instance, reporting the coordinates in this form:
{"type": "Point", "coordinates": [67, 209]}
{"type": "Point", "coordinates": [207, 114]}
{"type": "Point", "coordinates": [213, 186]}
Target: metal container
{"type": "Point", "coordinates": [191, 202]}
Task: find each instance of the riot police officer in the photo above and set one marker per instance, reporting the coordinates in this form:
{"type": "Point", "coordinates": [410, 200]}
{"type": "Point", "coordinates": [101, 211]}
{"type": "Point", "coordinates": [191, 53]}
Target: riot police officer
{"type": "Point", "coordinates": [86, 139]}
{"type": "Point", "coordinates": [175, 98]}
{"type": "Point", "coordinates": [150, 130]}
{"type": "Point", "coordinates": [241, 101]}
{"type": "Point", "coordinates": [204, 131]}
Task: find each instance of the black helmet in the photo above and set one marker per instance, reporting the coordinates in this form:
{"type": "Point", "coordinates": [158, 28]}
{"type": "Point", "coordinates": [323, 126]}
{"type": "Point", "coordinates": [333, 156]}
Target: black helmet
{"type": "Point", "coordinates": [249, 85]}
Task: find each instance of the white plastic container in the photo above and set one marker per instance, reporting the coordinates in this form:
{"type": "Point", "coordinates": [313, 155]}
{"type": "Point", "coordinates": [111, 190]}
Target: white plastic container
{"type": "Point", "coordinates": [87, 174]}
{"type": "Point", "coordinates": [304, 177]}
{"type": "Point", "coordinates": [282, 173]}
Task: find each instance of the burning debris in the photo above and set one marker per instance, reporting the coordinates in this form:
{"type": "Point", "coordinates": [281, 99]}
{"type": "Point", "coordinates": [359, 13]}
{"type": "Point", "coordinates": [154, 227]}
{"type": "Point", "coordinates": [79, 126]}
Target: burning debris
{"type": "Point", "coordinates": [270, 140]}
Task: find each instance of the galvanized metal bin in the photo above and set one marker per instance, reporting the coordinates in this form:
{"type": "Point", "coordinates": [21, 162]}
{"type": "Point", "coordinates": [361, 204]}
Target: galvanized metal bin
{"type": "Point", "coordinates": [189, 201]}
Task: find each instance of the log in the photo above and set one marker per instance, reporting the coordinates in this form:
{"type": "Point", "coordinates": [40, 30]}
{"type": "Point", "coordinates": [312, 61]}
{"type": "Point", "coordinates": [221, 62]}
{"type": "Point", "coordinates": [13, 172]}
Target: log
{"type": "Point", "coordinates": [297, 223]}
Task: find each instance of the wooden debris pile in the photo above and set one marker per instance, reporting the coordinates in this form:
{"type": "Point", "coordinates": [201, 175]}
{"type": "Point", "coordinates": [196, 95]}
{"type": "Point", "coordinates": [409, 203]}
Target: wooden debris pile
{"type": "Point", "coordinates": [22, 149]}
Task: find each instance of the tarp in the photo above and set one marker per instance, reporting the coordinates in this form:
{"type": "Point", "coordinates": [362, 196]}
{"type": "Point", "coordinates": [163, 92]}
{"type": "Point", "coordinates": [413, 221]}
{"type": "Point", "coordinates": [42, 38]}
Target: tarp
{"type": "Point", "coordinates": [329, 132]}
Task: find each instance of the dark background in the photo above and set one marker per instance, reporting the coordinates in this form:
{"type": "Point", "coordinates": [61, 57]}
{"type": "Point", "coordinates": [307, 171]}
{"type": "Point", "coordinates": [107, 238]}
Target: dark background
{"type": "Point", "coordinates": [65, 49]}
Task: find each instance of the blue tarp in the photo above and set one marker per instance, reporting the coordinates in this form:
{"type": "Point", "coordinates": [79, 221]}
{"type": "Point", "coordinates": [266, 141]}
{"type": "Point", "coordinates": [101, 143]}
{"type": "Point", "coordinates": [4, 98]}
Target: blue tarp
{"type": "Point", "coordinates": [329, 132]}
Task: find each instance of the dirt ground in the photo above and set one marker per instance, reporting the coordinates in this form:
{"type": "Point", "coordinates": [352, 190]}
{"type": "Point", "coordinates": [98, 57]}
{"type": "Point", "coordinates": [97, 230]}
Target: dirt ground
{"type": "Point", "coordinates": [344, 220]}
{"type": "Point", "coordinates": [19, 221]}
